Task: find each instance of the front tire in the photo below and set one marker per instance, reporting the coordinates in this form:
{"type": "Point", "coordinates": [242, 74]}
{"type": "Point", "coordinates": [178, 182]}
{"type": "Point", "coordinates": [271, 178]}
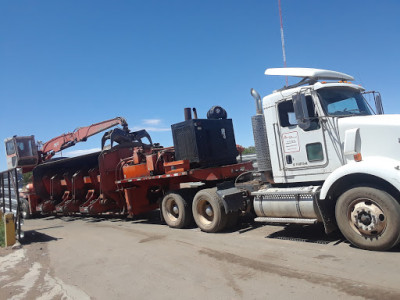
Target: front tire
{"type": "Point", "coordinates": [208, 211]}
{"type": "Point", "coordinates": [369, 218]}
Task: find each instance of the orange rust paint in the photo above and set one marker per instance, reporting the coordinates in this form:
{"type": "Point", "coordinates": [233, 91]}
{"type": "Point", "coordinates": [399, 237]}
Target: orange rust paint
{"type": "Point", "coordinates": [137, 201]}
{"type": "Point", "coordinates": [151, 162]}
{"type": "Point", "coordinates": [87, 179]}
{"type": "Point", "coordinates": [176, 166]}
{"type": "Point", "coordinates": [135, 171]}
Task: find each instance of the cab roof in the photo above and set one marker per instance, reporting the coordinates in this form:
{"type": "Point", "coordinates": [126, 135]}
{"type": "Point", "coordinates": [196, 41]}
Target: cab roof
{"type": "Point", "coordinates": [309, 73]}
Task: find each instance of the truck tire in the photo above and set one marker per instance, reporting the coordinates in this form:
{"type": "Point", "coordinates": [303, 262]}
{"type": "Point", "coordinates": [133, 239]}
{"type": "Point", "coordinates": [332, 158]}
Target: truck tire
{"type": "Point", "coordinates": [208, 211]}
{"type": "Point", "coordinates": [176, 209]}
{"type": "Point", "coordinates": [25, 212]}
{"type": "Point", "coordinates": [369, 218]}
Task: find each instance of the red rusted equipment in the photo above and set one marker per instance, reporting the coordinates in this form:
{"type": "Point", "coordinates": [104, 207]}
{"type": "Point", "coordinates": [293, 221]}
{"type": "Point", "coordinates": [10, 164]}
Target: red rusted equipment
{"type": "Point", "coordinates": [80, 134]}
{"type": "Point", "coordinates": [22, 151]}
{"type": "Point", "coordinates": [131, 175]}
{"type": "Point", "coordinates": [140, 191]}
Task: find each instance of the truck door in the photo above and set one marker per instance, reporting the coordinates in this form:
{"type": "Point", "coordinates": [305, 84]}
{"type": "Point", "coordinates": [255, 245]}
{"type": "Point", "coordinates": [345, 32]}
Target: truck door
{"type": "Point", "coordinates": [302, 149]}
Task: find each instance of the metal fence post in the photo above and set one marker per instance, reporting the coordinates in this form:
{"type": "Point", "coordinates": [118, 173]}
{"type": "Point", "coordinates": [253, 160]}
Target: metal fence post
{"type": "Point", "coordinates": [2, 193]}
{"type": "Point", "coordinates": [9, 191]}
{"type": "Point", "coordinates": [18, 215]}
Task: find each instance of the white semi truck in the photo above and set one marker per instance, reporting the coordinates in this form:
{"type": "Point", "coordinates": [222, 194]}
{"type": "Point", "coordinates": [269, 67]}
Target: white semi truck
{"type": "Point", "coordinates": [326, 156]}
{"type": "Point", "coordinates": [323, 154]}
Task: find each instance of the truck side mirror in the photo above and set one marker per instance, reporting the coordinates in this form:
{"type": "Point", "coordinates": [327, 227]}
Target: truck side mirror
{"type": "Point", "coordinates": [378, 104]}
{"type": "Point", "coordinates": [301, 111]}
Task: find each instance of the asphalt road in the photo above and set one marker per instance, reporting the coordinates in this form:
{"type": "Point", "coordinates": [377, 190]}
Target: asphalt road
{"type": "Point", "coordinates": [109, 258]}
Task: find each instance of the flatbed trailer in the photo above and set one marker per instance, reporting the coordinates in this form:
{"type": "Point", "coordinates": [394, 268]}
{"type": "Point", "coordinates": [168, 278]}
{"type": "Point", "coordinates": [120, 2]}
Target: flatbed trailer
{"type": "Point", "coordinates": [180, 190]}
{"type": "Point", "coordinates": [131, 175]}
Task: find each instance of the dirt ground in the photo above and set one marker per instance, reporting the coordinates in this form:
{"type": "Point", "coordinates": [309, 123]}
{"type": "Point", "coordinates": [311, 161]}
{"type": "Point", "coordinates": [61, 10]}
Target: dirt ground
{"type": "Point", "coordinates": [111, 258]}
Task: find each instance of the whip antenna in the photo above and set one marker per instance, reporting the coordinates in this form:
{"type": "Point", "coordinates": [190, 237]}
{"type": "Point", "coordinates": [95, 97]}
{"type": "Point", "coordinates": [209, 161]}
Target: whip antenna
{"type": "Point", "coordinates": [282, 39]}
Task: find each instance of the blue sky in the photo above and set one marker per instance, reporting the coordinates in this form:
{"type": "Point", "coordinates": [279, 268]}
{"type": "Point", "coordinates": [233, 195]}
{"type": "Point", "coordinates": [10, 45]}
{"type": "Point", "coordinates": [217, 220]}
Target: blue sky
{"type": "Point", "coordinates": [65, 64]}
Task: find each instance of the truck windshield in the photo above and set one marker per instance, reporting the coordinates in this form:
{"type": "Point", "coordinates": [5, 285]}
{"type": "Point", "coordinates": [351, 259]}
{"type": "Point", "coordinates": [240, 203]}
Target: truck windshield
{"type": "Point", "coordinates": [343, 101]}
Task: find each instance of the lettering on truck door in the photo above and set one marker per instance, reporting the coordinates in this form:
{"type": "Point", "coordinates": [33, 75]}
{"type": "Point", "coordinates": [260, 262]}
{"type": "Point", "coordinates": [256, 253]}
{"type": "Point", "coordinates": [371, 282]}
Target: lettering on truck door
{"type": "Point", "coordinates": [302, 149]}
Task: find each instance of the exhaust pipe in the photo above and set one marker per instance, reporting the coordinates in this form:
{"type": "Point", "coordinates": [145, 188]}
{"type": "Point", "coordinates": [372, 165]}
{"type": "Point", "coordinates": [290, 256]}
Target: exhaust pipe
{"type": "Point", "coordinates": [194, 113]}
{"type": "Point", "coordinates": [188, 113]}
{"type": "Point", "coordinates": [261, 140]}
{"type": "Point", "coordinates": [257, 97]}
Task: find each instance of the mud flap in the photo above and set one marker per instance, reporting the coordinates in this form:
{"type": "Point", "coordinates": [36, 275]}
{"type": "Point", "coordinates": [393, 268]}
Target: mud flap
{"type": "Point", "coordinates": [326, 210]}
{"type": "Point", "coordinates": [234, 199]}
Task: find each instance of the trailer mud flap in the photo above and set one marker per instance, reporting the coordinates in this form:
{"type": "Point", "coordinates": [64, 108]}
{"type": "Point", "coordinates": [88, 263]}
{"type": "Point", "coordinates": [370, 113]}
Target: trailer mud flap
{"type": "Point", "coordinates": [327, 211]}
{"type": "Point", "coordinates": [234, 199]}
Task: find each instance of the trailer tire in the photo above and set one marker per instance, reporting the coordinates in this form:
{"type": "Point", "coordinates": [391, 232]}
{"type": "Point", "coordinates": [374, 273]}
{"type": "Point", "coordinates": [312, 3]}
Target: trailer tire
{"type": "Point", "coordinates": [208, 211]}
{"type": "Point", "coordinates": [176, 209]}
{"type": "Point", "coordinates": [369, 218]}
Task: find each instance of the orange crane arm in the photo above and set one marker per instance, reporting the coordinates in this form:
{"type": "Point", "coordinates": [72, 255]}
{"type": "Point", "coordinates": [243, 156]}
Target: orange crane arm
{"type": "Point", "coordinates": [80, 134]}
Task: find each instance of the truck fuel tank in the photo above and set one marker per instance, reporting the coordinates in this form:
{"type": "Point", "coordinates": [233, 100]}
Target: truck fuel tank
{"type": "Point", "coordinates": [295, 202]}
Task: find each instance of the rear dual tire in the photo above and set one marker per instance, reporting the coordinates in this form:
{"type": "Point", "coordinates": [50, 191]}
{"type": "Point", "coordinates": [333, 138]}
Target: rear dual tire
{"type": "Point", "coordinates": [208, 211]}
{"type": "Point", "coordinates": [176, 209]}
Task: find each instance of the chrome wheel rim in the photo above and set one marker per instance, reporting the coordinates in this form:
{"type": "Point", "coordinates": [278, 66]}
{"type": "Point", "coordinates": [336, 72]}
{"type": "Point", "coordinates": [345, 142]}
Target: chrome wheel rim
{"type": "Point", "coordinates": [205, 211]}
{"type": "Point", "coordinates": [366, 217]}
{"type": "Point", "coordinates": [172, 209]}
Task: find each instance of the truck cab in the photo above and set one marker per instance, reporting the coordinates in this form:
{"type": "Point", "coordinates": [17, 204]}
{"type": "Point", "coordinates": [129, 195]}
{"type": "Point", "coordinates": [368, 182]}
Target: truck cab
{"type": "Point", "coordinates": [21, 152]}
{"type": "Point", "coordinates": [309, 139]}
{"type": "Point", "coordinates": [329, 158]}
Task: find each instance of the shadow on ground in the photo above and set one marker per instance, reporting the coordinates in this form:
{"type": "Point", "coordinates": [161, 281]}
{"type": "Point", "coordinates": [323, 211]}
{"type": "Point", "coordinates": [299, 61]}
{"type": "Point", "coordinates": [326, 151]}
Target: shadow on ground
{"type": "Point", "coordinates": [33, 236]}
{"type": "Point", "coordinates": [152, 217]}
{"type": "Point", "coordinates": [294, 232]}
{"type": "Point", "coordinates": [315, 234]}
{"type": "Point", "coordinates": [308, 233]}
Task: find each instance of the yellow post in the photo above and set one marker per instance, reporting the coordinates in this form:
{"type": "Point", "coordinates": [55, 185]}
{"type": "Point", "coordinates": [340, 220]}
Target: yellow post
{"type": "Point", "coordinates": [9, 228]}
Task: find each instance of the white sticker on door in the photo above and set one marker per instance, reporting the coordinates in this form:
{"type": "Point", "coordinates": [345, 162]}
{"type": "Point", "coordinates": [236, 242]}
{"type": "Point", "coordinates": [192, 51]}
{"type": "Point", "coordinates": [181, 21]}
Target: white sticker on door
{"type": "Point", "coordinates": [290, 142]}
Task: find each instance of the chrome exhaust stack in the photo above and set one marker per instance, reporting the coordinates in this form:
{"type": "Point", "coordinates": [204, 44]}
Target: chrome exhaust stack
{"type": "Point", "coordinates": [261, 140]}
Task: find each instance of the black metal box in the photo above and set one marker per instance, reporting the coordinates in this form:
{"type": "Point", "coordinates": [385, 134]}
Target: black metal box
{"type": "Point", "coordinates": [205, 142]}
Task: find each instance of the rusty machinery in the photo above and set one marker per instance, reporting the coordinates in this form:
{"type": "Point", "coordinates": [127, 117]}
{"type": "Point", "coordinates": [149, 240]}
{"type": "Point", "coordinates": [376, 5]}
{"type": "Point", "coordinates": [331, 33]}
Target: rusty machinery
{"type": "Point", "coordinates": [130, 175]}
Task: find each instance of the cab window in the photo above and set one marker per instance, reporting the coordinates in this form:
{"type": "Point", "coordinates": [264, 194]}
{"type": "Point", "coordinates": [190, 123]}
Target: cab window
{"type": "Point", "coordinates": [287, 116]}
{"type": "Point", "coordinates": [343, 101]}
{"type": "Point", "coordinates": [10, 148]}
{"type": "Point", "coordinates": [25, 147]}
{"type": "Point", "coordinates": [314, 152]}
